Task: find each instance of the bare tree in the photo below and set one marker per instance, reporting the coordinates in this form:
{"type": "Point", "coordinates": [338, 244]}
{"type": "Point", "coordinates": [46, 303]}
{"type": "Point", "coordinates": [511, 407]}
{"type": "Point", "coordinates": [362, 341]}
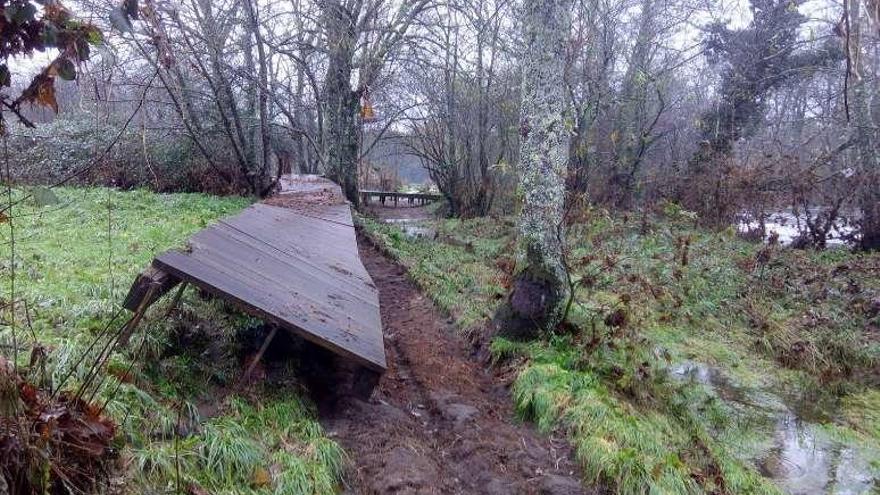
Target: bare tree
{"type": "Point", "coordinates": [358, 35]}
{"type": "Point", "coordinates": [465, 84]}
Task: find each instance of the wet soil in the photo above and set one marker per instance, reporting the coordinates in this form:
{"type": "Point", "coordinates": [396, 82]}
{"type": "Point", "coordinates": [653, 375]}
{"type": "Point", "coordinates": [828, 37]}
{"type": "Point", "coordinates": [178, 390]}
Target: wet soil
{"type": "Point", "coordinates": [440, 421]}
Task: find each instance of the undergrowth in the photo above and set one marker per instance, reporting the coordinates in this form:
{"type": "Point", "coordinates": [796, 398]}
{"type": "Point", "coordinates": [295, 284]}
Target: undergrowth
{"type": "Point", "coordinates": [655, 292]}
{"type": "Point", "coordinates": [182, 425]}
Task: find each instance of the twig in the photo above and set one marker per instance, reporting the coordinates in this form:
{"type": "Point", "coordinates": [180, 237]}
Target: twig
{"type": "Point", "coordinates": [11, 222]}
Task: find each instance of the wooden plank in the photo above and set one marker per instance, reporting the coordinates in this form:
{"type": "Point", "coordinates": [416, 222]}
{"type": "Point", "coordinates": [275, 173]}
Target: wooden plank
{"type": "Point", "coordinates": [262, 303]}
{"type": "Point", "coordinates": [283, 279]}
{"type": "Point", "coordinates": [151, 277]}
{"type": "Point", "coordinates": [331, 250]}
{"type": "Point", "coordinates": [296, 233]}
{"type": "Point", "coordinates": [303, 266]}
{"type": "Point", "coordinates": [265, 274]}
{"type": "Point", "coordinates": [364, 382]}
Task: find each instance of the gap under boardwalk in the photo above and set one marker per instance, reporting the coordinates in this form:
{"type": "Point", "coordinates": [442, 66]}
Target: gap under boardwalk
{"type": "Point", "coordinates": [439, 422]}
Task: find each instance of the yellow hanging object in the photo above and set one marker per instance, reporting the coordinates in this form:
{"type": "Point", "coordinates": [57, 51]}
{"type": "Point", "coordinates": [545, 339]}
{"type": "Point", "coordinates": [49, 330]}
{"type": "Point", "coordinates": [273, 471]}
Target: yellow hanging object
{"type": "Point", "coordinates": [367, 113]}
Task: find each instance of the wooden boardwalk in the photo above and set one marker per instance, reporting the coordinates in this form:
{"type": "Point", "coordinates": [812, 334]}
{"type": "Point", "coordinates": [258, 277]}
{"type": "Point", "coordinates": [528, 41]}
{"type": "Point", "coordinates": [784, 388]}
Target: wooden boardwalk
{"type": "Point", "coordinates": [411, 198]}
{"type": "Point", "coordinates": [291, 260]}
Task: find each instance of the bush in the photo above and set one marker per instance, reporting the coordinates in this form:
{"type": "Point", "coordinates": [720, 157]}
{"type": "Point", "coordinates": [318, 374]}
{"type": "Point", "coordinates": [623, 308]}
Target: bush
{"type": "Point", "coordinates": [164, 161]}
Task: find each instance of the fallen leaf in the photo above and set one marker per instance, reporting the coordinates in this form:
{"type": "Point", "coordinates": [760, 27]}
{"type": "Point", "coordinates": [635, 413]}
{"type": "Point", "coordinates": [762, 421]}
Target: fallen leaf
{"type": "Point", "coordinates": [46, 93]}
{"type": "Point", "coordinates": [261, 478]}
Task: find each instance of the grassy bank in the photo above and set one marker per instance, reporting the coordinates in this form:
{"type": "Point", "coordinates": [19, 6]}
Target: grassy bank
{"type": "Point", "coordinates": [181, 423]}
{"type": "Point", "coordinates": [797, 327]}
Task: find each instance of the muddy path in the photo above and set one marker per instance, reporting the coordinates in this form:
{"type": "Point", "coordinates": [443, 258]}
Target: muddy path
{"type": "Point", "coordinates": [439, 422]}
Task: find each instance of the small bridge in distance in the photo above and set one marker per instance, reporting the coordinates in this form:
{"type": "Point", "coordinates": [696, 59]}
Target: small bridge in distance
{"type": "Point", "coordinates": [415, 198]}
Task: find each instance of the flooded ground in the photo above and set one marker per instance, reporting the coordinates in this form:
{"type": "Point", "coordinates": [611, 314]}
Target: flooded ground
{"type": "Point", "coordinates": [413, 227]}
{"type": "Point", "coordinates": [801, 457]}
{"type": "Point", "coordinates": [410, 219]}
{"type": "Point", "coordinates": [788, 227]}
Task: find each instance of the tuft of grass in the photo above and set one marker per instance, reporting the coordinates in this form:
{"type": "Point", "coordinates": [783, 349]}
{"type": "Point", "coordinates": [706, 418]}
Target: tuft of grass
{"type": "Point", "coordinates": [661, 448]}
{"type": "Point", "coordinates": [228, 455]}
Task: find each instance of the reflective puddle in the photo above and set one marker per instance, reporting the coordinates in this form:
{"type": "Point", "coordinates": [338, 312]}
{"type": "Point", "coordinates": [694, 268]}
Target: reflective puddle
{"type": "Point", "coordinates": [785, 225]}
{"type": "Point", "coordinates": [413, 228]}
{"type": "Point", "coordinates": [801, 457]}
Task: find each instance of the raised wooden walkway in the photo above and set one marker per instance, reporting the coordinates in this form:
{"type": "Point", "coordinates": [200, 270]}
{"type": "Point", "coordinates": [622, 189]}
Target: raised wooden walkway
{"type": "Point", "coordinates": [291, 260]}
{"type": "Point", "coordinates": [411, 198]}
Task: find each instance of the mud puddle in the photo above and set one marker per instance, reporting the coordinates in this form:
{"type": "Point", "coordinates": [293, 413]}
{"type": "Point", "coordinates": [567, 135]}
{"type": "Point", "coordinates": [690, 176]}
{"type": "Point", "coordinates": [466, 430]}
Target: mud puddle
{"type": "Point", "coordinates": [800, 456]}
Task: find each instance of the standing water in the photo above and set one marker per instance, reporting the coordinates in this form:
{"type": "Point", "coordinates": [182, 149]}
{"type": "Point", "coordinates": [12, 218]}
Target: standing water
{"type": "Point", "coordinates": [410, 219]}
{"type": "Point", "coordinates": [786, 225]}
{"type": "Point", "coordinates": [412, 227]}
{"type": "Point", "coordinates": [802, 458]}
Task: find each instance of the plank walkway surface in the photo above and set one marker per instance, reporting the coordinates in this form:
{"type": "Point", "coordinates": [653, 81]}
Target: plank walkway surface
{"type": "Point", "coordinates": [292, 260]}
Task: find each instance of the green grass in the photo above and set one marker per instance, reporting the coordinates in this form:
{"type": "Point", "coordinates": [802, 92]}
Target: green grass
{"type": "Point", "coordinates": [272, 447]}
{"type": "Point", "coordinates": [459, 279]}
{"type": "Point", "coordinates": [71, 276]}
{"type": "Point", "coordinates": [795, 326]}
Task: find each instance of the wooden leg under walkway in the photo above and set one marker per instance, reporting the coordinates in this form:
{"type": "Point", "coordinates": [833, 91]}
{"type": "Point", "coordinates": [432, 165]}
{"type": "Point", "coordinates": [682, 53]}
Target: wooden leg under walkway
{"type": "Point", "coordinates": [259, 355]}
{"type": "Point", "coordinates": [365, 380]}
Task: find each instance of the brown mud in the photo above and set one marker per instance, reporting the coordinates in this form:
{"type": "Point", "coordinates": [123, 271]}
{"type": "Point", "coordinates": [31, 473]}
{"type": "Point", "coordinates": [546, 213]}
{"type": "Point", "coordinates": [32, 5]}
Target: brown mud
{"type": "Point", "coordinates": [440, 421]}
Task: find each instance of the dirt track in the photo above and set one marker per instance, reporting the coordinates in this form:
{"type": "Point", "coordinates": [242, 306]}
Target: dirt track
{"type": "Point", "coordinates": [439, 422]}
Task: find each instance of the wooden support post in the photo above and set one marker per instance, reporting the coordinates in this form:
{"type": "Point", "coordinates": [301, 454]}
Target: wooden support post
{"type": "Point", "coordinates": [263, 347]}
{"type": "Point", "coordinates": [135, 320]}
{"type": "Point", "coordinates": [365, 381]}
{"type": "Point", "coordinates": [150, 278]}
{"type": "Point", "coordinates": [396, 197]}
{"type": "Point", "coordinates": [176, 300]}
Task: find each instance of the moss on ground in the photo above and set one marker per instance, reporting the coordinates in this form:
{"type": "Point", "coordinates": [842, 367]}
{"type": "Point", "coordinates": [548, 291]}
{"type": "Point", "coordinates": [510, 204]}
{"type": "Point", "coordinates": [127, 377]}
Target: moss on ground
{"type": "Point", "coordinates": [170, 390]}
{"type": "Point", "coordinates": [654, 292]}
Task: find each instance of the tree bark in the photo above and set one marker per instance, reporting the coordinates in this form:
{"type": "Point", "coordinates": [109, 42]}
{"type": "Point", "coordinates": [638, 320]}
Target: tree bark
{"type": "Point", "coordinates": [865, 135]}
{"type": "Point", "coordinates": [540, 291]}
{"type": "Point", "coordinates": [343, 139]}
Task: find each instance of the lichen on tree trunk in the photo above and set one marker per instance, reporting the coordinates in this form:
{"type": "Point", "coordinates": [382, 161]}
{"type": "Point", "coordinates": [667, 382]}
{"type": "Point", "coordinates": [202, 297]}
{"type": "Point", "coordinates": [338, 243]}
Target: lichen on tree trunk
{"type": "Point", "coordinates": [540, 289]}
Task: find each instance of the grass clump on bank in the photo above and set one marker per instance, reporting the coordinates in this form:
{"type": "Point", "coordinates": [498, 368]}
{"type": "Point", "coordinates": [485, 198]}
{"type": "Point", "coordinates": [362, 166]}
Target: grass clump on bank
{"type": "Point", "coordinates": [170, 390]}
{"type": "Point", "coordinates": [652, 293]}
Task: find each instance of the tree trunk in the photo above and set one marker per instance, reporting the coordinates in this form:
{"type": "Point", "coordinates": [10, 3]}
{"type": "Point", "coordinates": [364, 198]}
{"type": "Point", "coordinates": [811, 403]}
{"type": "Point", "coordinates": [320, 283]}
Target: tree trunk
{"type": "Point", "coordinates": [341, 108]}
{"type": "Point", "coordinates": [540, 291]}
{"type": "Point", "coordinates": [262, 101]}
{"type": "Point", "coordinates": [633, 105]}
{"type": "Point", "coordinates": [343, 140]}
{"type": "Point", "coordinates": [865, 134]}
